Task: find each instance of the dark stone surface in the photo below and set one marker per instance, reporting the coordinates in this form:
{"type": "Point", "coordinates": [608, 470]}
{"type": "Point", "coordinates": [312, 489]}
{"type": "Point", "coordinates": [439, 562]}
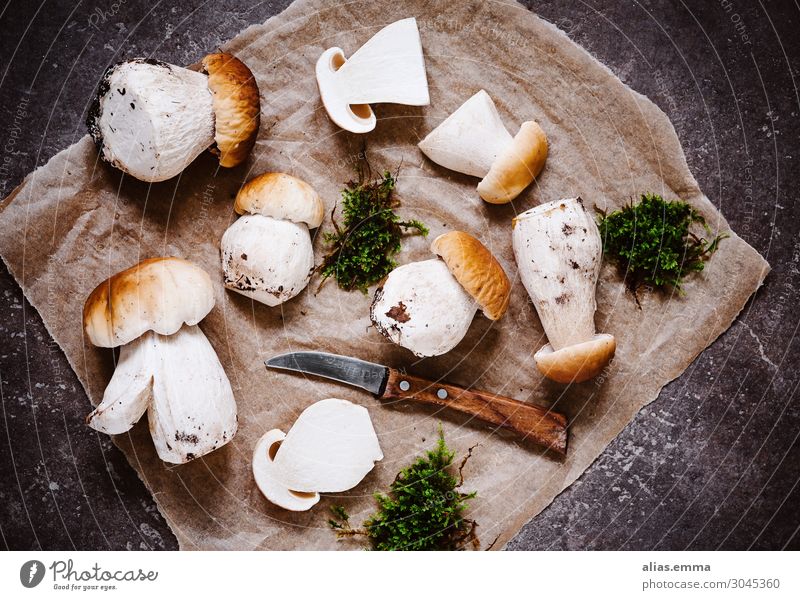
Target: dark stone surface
{"type": "Point", "coordinates": [713, 463]}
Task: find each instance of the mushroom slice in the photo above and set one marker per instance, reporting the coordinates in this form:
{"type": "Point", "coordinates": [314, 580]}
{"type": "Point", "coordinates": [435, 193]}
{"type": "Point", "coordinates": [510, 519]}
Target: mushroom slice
{"type": "Point", "coordinates": [151, 119]}
{"type": "Point", "coordinates": [390, 67]}
{"type": "Point", "coordinates": [558, 249]}
{"type": "Point", "coordinates": [167, 366]}
{"type": "Point", "coordinates": [264, 473]}
{"type": "Point", "coordinates": [269, 260]}
{"type": "Point", "coordinates": [330, 448]}
{"type": "Point", "coordinates": [423, 308]}
{"type": "Point", "coordinates": [267, 255]}
{"type": "Point", "coordinates": [474, 141]}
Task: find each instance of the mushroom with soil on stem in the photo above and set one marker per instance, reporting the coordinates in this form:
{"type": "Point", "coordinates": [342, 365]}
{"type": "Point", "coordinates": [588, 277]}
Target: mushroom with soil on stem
{"type": "Point", "coordinates": [151, 119]}
{"type": "Point", "coordinates": [330, 448]}
{"type": "Point", "coordinates": [166, 365]}
{"type": "Point", "coordinates": [267, 253]}
{"type": "Point", "coordinates": [427, 306]}
{"type": "Point", "coordinates": [558, 251]}
{"type": "Point", "coordinates": [474, 141]}
{"type": "Point", "coordinates": [390, 68]}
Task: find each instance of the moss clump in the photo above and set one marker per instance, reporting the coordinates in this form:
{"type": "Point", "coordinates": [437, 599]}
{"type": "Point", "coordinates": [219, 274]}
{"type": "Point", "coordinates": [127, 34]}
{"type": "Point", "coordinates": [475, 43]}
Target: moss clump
{"type": "Point", "coordinates": [362, 249]}
{"type": "Point", "coordinates": [652, 243]}
{"type": "Point", "coordinates": [422, 511]}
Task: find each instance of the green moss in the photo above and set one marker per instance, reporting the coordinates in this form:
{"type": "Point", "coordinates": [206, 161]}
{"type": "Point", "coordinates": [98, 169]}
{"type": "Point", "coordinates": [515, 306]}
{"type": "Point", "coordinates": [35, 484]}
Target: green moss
{"type": "Point", "coordinates": [652, 242]}
{"type": "Point", "coordinates": [361, 250]}
{"type": "Point", "coordinates": [424, 510]}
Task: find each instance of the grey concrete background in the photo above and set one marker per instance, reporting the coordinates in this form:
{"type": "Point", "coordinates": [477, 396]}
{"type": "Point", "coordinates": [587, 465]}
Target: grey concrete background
{"type": "Point", "coordinates": [713, 463]}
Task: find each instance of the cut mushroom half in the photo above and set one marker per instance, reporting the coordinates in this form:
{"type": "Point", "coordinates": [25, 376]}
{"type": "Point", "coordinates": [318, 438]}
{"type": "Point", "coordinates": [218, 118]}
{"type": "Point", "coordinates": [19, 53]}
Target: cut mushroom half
{"type": "Point", "coordinates": [558, 251]}
{"type": "Point", "coordinates": [151, 119]}
{"type": "Point", "coordinates": [474, 141]}
{"type": "Point", "coordinates": [428, 306]}
{"type": "Point", "coordinates": [267, 253]}
{"type": "Point", "coordinates": [266, 480]}
{"type": "Point", "coordinates": [330, 448]}
{"type": "Point", "coordinates": [166, 365]}
{"type": "Point", "coordinates": [389, 68]}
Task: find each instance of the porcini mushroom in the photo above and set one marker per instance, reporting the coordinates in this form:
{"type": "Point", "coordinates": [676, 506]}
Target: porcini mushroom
{"type": "Point", "coordinates": [389, 68]}
{"type": "Point", "coordinates": [474, 141]}
{"type": "Point", "coordinates": [558, 250]}
{"type": "Point", "coordinates": [330, 448]}
{"type": "Point", "coordinates": [151, 119]}
{"type": "Point", "coordinates": [267, 253]}
{"type": "Point", "coordinates": [427, 306]}
{"type": "Point", "coordinates": [166, 365]}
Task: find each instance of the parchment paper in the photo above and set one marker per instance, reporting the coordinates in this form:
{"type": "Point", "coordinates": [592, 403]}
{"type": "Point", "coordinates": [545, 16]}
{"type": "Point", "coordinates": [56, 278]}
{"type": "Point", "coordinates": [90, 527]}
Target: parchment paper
{"type": "Point", "coordinates": [75, 222]}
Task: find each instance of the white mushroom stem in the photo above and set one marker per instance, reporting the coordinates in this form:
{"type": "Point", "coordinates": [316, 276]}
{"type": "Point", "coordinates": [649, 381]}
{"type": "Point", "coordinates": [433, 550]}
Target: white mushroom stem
{"type": "Point", "coordinates": [389, 68]}
{"type": "Point", "coordinates": [470, 139]}
{"type": "Point", "coordinates": [152, 119]}
{"type": "Point", "coordinates": [422, 307]}
{"type": "Point", "coordinates": [179, 380]}
{"type": "Point", "coordinates": [269, 260]}
{"type": "Point", "coordinates": [558, 250]}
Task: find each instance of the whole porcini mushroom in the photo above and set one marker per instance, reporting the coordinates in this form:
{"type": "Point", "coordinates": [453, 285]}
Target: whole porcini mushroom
{"type": "Point", "coordinates": [267, 253]}
{"type": "Point", "coordinates": [474, 141]}
{"type": "Point", "coordinates": [427, 306]}
{"type": "Point", "coordinates": [330, 448]}
{"type": "Point", "coordinates": [390, 68]}
{"type": "Point", "coordinates": [166, 365]}
{"type": "Point", "coordinates": [151, 119]}
{"type": "Point", "coordinates": [558, 250]}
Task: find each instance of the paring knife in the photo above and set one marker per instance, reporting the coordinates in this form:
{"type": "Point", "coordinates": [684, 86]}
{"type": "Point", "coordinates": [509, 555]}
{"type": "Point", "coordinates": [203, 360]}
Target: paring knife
{"type": "Point", "coordinates": [532, 422]}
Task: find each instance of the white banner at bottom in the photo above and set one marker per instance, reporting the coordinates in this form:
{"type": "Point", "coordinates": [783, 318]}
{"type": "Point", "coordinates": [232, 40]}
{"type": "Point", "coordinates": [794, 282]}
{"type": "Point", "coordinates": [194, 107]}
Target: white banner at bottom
{"type": "Point", "coordinates": [375, 575]}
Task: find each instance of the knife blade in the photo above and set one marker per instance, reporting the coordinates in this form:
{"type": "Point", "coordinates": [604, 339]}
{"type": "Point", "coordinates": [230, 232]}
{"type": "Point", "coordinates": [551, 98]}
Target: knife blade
{"type": "Point", "coordinates": [344, 369]}
{"type": "Point", "coordinates": [540, 425]}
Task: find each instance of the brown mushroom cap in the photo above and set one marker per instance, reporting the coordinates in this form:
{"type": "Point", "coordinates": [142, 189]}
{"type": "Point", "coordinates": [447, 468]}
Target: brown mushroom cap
{"type": "Point", "coordinates": [578, 362]}
{"type": "Point", "coordinates": [159, 294]}
{"type": "Point", "coordinates": [517, 166]}
{"type": "Point", "coordinates": [237, 107]}
{"type": "Point", "coordinates": [476, 270]}
{"type": "Point", "coordinates": [280, 196]}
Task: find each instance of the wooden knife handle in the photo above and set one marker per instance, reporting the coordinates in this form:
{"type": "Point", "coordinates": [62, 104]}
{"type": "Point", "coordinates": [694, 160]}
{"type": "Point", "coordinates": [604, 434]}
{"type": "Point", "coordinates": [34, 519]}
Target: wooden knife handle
{"type": "Point", "coordinates": [540, 425]}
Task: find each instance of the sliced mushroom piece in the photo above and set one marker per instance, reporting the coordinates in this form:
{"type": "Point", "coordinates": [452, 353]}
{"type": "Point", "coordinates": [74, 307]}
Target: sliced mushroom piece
{"type": "Point", "coordinates": [167, 366]}
{"type": "Point", "coordinates": [558, 250]}
{"type": "Point", "coordinates": [390, 67]}
{"type": "Point", "coordinates": [264, 473]}
{"type": "Point", "coordinates": [330, 448]}
{"type": "Point", "coordinates": [151, 119]}
{"type": "Point", "coordinates": [427, 306]}
{"type": "Point", "coordinates": [474, 141]}
{"type": "Point", "coordinates": [267, 255]}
